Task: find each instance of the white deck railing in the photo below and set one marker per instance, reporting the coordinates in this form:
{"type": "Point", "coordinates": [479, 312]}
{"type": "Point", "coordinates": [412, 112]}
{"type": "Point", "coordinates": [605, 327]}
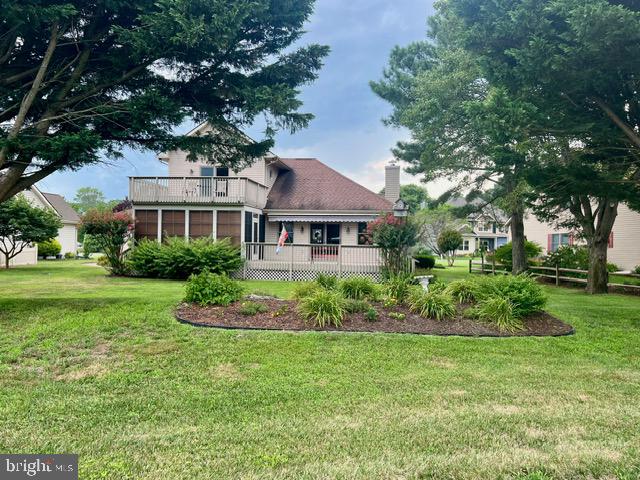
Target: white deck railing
{"type": "Point", "coordinates": [305, 261]}
{"type": "Point", "coordinates": [197, 190]}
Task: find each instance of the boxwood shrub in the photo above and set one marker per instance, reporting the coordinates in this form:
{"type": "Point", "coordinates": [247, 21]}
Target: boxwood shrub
{"type": "Point", "coordinates": [178, 258]}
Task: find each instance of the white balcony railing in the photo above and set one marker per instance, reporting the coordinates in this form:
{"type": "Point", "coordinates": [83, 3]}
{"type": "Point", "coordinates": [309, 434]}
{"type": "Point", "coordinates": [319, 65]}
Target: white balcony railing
{"type": "Point", "coordinates": [197, 190]}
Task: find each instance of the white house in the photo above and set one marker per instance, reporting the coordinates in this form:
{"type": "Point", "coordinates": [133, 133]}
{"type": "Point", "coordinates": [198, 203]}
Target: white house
{"type": "Point", "coordinates": [324, 213]}
{"type": "Point", "coordinates": [486, 229]}
{"type": "Point", "coordinates": [67, 234]}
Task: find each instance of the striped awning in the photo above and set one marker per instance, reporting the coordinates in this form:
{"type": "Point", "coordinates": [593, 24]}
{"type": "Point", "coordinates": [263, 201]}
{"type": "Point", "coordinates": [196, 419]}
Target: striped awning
{"type": "Point", "coordinates": [322, 218]}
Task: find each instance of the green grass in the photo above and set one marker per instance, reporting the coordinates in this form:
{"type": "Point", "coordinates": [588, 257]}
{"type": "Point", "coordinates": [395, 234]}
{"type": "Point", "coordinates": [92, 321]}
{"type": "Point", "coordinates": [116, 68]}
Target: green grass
{"type": "Point", "coordinates": [98, 366]}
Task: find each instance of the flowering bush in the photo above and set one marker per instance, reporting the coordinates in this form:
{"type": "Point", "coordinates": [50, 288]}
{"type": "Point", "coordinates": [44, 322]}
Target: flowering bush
{"type": "Point", "coordinates": [110, 231]}
{"type": "Point", "coordinates": [394, 236]}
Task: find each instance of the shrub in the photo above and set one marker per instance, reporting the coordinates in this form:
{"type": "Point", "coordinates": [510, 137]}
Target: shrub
{"type": "Point", "coordinates": [437, 286]}
{"type": "Point", "coordinates": [425, 260]}
{"type": "Point", "coordinates": [568, 256]}
{"type": "Point", "coordinates": [206, 288]}
{"type": "Point", "coordinates": [69, 255]}
{"type": "Point", "coordinates": [397, 315]}
{"type": "Point", "coordinates": [89, 245]}
{"type": "Point", "coordinates": [330, 282]}
{"type": "Point", "coordinates": [355, 306]}
{"type": "Point", "coordinates": [498, 311]}
{"type": "Point", "coordinates": [303, 290]}
{"type": "Point", "coordinates": [394, 237]}
{"type": "Point", "coordinates": [49, 248]}
{"type": "Point", "coordinates": [371, 315]}
{"type": "Point", "coordinates": [636, 270]}
{"type": "Point", "coordinates": [103, 261]}
{"type": "Point", "coordinates": [399, 287]}
{"type": "Point", "coordinates": [463, 291]}
{"type": "Point", "coordinates": [525, 294]}
{"type": "Point", "coordinates": [323, 308]}
{"type": "Point", "coordinates": [612, 268]}
{"type": "Point", "coordinates": [431, 304]}
{"type": "Point", "coordinates": [110, 232]}
{"type": "Point", "coordinates": [504, 253]}
{"type": "Point", "coordinates": [252, 308]}
{"type": "Point", "coordinates": [357, 287]}
{"type": "Point", "coordinates": [179, 258]}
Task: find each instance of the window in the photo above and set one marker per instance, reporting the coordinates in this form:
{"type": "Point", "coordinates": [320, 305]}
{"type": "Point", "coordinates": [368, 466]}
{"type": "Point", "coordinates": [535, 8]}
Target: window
{"type": "Point", "coordinates": [172, 223]}
{"type": "Point", "coordinates": [200, 223]}
{"type": "Point", "coordinates": [206, 171]}
{"type": "Point", "coordinates": [465, 245]}
{"type": "Point", "coordinates": [364, 237]}
{"type": "Point", "coordinates": [229, 226]}
{"type": "Point", "coordinates": [333, 234]}
{"type": "Point", "coordinates": [556, 240]}
{"type": "Point", "coordinates": [222, 171]}
{"type": "Point", "coordinates": [289, 227]}
{"type": "Point", "coordinates": [146, 224]}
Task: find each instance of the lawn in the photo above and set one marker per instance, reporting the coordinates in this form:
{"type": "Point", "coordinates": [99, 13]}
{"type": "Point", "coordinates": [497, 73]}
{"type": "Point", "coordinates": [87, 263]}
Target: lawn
{"type": "Point", "coordinates": [98, 366]}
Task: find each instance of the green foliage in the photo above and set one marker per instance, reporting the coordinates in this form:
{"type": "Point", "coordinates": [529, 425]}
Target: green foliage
{"type": "Point", "coordinates": [499, 311]}
{"type": "Point", "coordinates": [357, 288]}
{"type": "Point", "coordinates": [91, 198]}
{"type": "Point", "coordinates": [371, 315]}
{"type": "Point", "coordinates": [394, 237]}
{"type": "Point", "coordinates": [415, 196]}
{"type": "Point", "coordinates": [89, 245]}
{"type": "Point", "coordinates": [568, 256]}
{"type": "Point", "coordinates": [436, 286]}
{"type": "Point", "coordinates": [330, 282]}
{"type": "Point", "coordinates": [355, 306]}
{"type": "Point", "coordinates": [22, 224]}
{"type": "Point", "coordinates": [448, 242]}
{"type": "Point", "coordinates": [524, 293]}
{"type": "Point", "coordinates": [436, 305]}
{"type": "Point", "coordinates": [464, 290]}
{"type": "Point", "coordinates": [69, 255]}
{"type": "Point", "coordinates": [206, 288]}
{"type": "Point", "coordinates": [179, 258]}
{"type": "Point", "coordinates": [397, 315]}
{"type": "Point", "coordinates": [120, 88]}
{"type": "Point", "coordinates": [503, 254]}
{"type": "Point", "coordinates": [399, 287]}
{"type": "Point", "coordinates": [323, 308]}
{"type": "Point", "coordinates": [636, 270]}
{"type": "Point", "coordinates": [110, 231]}
{"type": "Point", "coordinates": [49, 248]}
{"type": "Point", "coordinates": [424, 260]}
{"type": "Point", "coordinates": [303, 290]}
{"type": "Point", "coordinates": [252, 308]}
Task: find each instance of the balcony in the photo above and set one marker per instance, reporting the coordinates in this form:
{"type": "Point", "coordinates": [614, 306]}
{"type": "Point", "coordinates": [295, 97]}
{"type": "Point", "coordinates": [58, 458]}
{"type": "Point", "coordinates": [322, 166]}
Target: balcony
{"type": "Point", "coordinates": [197, 191]}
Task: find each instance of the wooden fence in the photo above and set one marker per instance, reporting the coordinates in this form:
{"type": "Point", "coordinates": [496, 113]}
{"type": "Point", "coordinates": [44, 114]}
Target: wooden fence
{"type": "Point", "coordinates": [558, 275]}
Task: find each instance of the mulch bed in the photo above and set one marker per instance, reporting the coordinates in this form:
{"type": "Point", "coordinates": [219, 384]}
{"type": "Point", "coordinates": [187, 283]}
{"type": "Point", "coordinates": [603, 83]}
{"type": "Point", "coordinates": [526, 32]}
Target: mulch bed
{"type": "Point", "coordinates": [282, 315]}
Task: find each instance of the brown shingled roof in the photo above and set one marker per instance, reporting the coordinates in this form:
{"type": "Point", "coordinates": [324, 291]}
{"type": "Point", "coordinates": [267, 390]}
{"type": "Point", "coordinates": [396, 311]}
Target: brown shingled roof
{"type": "Point", "coordinates": [61, 206]}
{"type": "Point", "coordinates": [312, 185]}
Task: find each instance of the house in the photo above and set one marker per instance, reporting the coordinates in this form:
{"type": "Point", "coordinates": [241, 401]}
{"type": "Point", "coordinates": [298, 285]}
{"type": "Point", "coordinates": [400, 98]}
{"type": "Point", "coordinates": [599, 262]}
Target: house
{"type": "Point", "coordinates": [487, 228]}
{"type": "Point", "coordinates": [67, 234]}
{"type": "Point", "coordinates": [624, 246]}
{"type": "Point", "coordinates": [324, 213]}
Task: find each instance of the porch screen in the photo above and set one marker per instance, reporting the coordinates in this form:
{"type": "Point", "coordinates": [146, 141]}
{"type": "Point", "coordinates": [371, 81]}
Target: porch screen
{"type": "Point", "coordinates": [172, 223]}
{"type": "Point", "coordinates": [200, 223]}
{"type": "Point", "coordinates": [146, 224]}
{"type": "Point", "coordinates": [228, 226]}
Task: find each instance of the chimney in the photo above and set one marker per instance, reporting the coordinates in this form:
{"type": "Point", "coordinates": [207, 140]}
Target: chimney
{"type": "Point", "coordinates": [392, 182]}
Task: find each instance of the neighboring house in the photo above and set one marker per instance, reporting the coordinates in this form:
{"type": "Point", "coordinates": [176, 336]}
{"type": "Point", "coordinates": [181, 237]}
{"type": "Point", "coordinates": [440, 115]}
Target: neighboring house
{"type": "Point", "coordinates": [624, 243]}
{"type": "Point", "coordinates": [484, 229]}
{"type": "Point", "coordinates": [67, 234]}
{"type": "Point", "coordinates": [321, 210]}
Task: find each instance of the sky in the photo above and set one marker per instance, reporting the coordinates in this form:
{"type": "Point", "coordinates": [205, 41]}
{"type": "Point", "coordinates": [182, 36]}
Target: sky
{"type": "Point", "coordinates": [347, 132]}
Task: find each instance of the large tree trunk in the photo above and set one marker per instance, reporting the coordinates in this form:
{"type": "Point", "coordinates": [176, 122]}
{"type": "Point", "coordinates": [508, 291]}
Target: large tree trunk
{"type": "Point", "coordinates": [518, 254]}
{"type": "Point", "coordinates": [598, 275]}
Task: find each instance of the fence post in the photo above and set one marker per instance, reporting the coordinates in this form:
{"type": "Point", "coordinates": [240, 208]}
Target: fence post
{"type": "Point", "coordinates": [482, 264]}
{"type": "Point", "coordinates": [493, 265]}
{"type": "Point", "coordinates": [557, 275]}
{"type": "Point", "coordinates": [291, 265]}
{"type": "Point", "coordinates": [470, 264]}
{"type": "Point", "coordinates": [339, 261]}
{"type": "Point", "coordinates": [244, 265]}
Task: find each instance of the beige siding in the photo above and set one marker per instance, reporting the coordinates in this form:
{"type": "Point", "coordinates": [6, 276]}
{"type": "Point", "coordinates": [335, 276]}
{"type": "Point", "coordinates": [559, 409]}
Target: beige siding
{"type": "Point", "coordinates": [29, 256]}
{"type": "Point", "coordinates": [626, 237]}
{"type": "Point", "coordinates": [179, 166]}
{"type": "Point", "coordinates": [67, 236]}
{"type": "Point", "coordinates": [349, 237]}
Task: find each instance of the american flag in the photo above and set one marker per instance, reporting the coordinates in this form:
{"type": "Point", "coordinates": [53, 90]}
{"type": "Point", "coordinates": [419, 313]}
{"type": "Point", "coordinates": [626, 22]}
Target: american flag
{"type": "Point", "coordinates": [283, 238]}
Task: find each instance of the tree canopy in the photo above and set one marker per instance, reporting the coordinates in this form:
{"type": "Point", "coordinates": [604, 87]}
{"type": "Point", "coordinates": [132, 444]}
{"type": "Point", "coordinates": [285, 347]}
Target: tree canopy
{"type": "Point", "coordinates": [79, 80]}
{"type": "Point", "coordinates": [91, 198]}
{"type": "Point", "coordinates": [22, 225]}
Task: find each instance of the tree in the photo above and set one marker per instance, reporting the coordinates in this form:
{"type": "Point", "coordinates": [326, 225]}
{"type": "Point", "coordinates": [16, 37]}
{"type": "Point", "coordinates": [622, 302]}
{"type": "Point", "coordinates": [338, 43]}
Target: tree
{"type": "Point", "coordinates": [110, 232]}
{"type": "Point", "coordinates": [583, 81]}
{"type": "Point", "coordinates": [22, 225]}
{"type": "Point", "coordinates": [448, 242]}
{"type": "Point", "coordinates": [433, 222]}
{"type": "Point", "coordinates": [461, 126]}
{"type": "Point", "coordinates": [415, 196]}
{"type": "Point", "coordinates": [81, 79]}
{"type": "Point", "coordinates": [394, 236]}
{"type": "Point", "coordinates": [91, 198]}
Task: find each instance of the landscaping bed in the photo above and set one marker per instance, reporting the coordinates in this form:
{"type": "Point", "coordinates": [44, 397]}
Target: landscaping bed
{"type": "Point", "coordinates": [283, 315]}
